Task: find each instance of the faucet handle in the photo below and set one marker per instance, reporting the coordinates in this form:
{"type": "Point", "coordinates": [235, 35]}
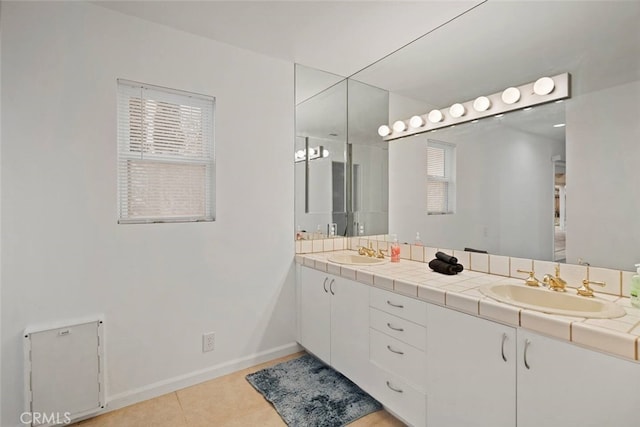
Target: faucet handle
{"type": "Point", "coordinates": [585, 290]}
{"type": "Point", "coordinates": [531, 280]}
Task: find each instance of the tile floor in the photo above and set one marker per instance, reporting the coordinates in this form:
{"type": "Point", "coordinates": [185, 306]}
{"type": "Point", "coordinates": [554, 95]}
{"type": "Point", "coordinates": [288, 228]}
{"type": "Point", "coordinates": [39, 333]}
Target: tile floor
{"type": "Point", "coordinates": [226, 401]}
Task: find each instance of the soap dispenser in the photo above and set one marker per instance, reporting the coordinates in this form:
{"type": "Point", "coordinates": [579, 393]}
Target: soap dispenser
{"type": "Point", "coordinates": [635, 288]}
{"type": "Point", "coordinates": [395, 250]}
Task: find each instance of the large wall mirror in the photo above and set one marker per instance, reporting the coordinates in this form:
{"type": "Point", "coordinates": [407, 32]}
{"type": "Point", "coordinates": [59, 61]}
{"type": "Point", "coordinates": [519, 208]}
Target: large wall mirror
{"type": "Point", "coordinates": [522, 186]}
{"type": "Point", "coordinates": [341, 164]}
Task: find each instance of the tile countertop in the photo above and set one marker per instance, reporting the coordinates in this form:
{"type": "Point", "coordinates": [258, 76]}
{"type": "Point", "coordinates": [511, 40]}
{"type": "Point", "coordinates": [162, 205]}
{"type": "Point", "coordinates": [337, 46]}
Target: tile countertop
{"type": "Point", "coordinates": [620, 336]}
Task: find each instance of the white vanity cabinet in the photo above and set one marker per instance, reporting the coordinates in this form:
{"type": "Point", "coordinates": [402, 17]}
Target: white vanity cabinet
{"type": "Point", "coordinates": [562, 384]}
{"type": "Point", "coordinates": [334, 322]}
{"type": "Point", "coordinates": [471, 371]}
{"type": "Point", "coordinates": [482, 373]}
{"type": "Point", "coordinates": [397, 353]}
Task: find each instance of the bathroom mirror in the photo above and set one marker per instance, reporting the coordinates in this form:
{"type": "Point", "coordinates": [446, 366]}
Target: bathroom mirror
{"type": "Point", "coordinates": [341, 180]}
{"type": "Point", "coordinates": [486, 50]}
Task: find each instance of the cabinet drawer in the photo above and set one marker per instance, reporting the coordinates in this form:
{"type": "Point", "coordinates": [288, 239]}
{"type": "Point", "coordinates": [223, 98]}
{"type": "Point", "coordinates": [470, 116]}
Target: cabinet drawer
{"type": "Point", "coordinates": [398, 358]}
{"type": "Point", "coordinates": [399, 305]}
{"type": "Point", "coordinates": [401, 329]}
{"type": "Point", "coordinates": [399, 397]}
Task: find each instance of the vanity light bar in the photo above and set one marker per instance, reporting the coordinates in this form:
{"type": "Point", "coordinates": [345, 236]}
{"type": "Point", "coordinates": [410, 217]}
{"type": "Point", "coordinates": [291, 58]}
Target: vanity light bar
{"type": "Point", "coordinates": [543, 90]}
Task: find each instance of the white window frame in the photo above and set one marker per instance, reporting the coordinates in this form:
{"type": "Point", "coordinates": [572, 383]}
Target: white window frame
{"type": "Point", "coordinates": [168, 175]}
{"type": "Point", "coordinates": [443, 181]}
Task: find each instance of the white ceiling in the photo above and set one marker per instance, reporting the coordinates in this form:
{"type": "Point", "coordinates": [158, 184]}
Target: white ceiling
{"type": "Point", "coordinates": [341, 37]}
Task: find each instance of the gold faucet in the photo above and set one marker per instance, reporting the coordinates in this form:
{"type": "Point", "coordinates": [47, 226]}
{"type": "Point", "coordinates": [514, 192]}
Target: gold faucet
{"type": "Point", "coordinates": [380, 253]}
{"type": "Point", "coordinates": [370, 252]}
{"type": "Point", "coordinates": [585, 290]}
{"type": "Point", "coordinates": [531, 280]}
{"type": "Point", "coordinates": [555, 283]}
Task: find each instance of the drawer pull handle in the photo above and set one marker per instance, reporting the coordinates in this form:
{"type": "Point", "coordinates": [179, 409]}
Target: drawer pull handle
{"type": "Point", "coordinates": [397, 390]}
{"type": "Point", "coordinates": [395, 305]}
{"type": "Point", "coordinates": [504, 338]}
{"type": "Point", "coordinates": [394, 328]}
{"type": "Point", "coordinates": [324, 284]}
{"type": "Point", "coordinates": [394, 351]}
{"type": "Point", "coordinates": [331, 286]}
{"type": "Point", "coordinates": [526, 348]}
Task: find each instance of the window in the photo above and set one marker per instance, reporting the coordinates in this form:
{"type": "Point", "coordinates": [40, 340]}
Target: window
{"type": "Point", "coordinates": [165, 154]}
{"type": "Point", "coordinates": [440, 178]}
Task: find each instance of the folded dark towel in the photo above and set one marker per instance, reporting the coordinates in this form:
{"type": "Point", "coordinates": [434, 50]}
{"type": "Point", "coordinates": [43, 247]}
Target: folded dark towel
{"type": "Point", "coordinates": [440, 266]}
{"type": "Point", "coordinates": [475, 250]}
{"type": "Point", "coordinates": [446, 258]}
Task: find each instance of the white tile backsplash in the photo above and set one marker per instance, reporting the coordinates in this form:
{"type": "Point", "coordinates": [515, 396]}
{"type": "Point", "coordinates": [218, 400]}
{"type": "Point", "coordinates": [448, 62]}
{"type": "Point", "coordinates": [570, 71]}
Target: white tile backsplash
{"type": "Point", "coordinates": [612, 278]}
{"type": "Point", "coordinates": [499, 265]}
{"type": "Point", "coordinates": [521, 264]}
{"type": "Point", "coordinates": [463, 258]}
{"type": "Point", "coordinates": [544, 267]}
{"type": "Point", "coordinates": [573, 274]}
{"type": "Point", "coordinates": [479, 262]}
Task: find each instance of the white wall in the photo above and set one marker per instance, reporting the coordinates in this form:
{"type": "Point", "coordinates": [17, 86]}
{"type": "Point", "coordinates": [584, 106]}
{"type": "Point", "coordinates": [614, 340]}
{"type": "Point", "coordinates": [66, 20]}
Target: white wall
{"type": "Point", "coordinates": [159, 286]}
{"type": "Point", "coordinates": [603, 158]}
{"type": "Point", "coordinates": [504, 193]}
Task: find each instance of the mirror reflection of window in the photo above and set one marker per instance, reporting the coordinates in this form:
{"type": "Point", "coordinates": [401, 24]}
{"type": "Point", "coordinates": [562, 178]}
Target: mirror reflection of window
{"type": "Point", "coordinates": [440, 178]}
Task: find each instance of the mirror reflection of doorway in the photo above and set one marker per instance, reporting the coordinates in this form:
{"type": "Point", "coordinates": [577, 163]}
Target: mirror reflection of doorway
{"type": "Point", "coordinates": [560, 217]}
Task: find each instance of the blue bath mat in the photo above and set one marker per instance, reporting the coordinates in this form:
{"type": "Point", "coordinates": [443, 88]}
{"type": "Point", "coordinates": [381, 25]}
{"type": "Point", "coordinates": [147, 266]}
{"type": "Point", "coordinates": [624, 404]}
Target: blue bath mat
{"type": "Point", "coordinates": [308, 393]}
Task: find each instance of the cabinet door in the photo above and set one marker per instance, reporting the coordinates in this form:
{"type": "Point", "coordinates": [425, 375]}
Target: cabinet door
{"type": "Point", "coordinates": [471, 371]}
{"type": "Point", "coordinates": [315, 312]}
{"type": "Point", "coordinates": [350, 329]}
{"type": "Point", "coordinates": [566, 385]}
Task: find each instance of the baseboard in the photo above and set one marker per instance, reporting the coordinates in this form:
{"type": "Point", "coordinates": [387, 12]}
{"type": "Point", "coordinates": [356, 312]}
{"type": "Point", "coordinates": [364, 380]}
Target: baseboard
{"type": "Point", "coordinates": [169, 385]}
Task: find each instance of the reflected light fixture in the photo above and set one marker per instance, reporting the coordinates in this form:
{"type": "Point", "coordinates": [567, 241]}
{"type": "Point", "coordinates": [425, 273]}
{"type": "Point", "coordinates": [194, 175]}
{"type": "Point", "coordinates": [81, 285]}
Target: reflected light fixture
{"type": "Point", "coordinates": [399, 126]}
{"type": "Point", "coordinates": [314, 153]}
{"type": "Point", "coordinates": [559, 125]}
{"type": "Point", "coordinates": [416, 122]}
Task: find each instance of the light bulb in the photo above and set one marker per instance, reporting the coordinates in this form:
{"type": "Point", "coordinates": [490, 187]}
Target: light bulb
{"type": "Point", "coordinates": [416, 122]}
{"type": "Point", "coordinates": [435, 116]}
{"type": "Point", "coordinates": [543, 86]}
{"type": "Point", "coordinates": [457, 110]}
{"type": "Point", "coordinates": [482, 103]}
{"type": "Point", "coordinates": [399, 126]}
{"type": "Point", "coordinates": [511, 95]}
{"type": "Point", "coordinates": [325, 153]}
{"type": "Point", "coordinates": [384, 130]}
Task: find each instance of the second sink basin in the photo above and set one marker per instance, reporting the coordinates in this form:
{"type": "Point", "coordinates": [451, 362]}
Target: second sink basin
{"type": "Point", "coordinates": [552, 302]}
{"type": "Point", "coordinates": [355, 259]}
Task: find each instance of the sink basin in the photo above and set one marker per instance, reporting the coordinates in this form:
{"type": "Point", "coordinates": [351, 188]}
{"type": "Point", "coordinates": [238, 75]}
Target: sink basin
{"type": "Point", "coordinates": [355, 259]}
{"type": "Point", "coordinates": [547, 301]}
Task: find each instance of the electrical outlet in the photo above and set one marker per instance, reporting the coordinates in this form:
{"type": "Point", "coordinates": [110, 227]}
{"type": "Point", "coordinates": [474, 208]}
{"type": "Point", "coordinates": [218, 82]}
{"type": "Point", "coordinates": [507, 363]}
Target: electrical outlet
{"type": "Point", "coordinates": [208, 341]}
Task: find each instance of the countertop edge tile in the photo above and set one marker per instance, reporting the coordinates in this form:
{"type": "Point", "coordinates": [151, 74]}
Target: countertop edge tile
{"type": "Point", "coordinates": [504, 313]}
{"type": "Point", "coordinates": [433, 295]}
{"type": "Point", "coordinates": [606, 340]}
{"type": "Point", "coordinates": [466, 303]}
{"type": "Point", "coordinates": [546, 324]}
{"type": "Point", "coordinates": [407, 288]}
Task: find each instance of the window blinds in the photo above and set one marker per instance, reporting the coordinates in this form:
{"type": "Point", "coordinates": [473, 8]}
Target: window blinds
{"type": "Point", "coordinates": [438, 179]}
{"type": "Point", "coordinates": [165, 154]}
